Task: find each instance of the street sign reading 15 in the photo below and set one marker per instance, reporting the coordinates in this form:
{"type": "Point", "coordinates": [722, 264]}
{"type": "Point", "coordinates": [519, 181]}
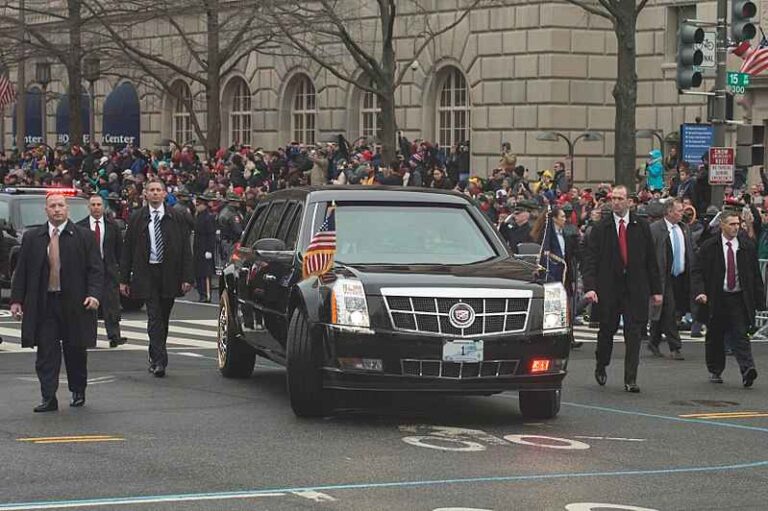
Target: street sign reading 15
{"type": "Point", "coordinates": [738, 82]}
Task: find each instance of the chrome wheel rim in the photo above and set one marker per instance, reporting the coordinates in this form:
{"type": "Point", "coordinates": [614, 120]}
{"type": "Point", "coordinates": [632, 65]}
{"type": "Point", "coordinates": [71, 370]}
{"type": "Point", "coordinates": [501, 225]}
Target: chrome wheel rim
{"type": "Point", "coordinates": [221, 332]}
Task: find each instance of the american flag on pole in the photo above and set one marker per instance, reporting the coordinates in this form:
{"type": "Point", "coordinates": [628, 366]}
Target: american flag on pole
{"type": "Point", "coordinates": [318, 258]}
{"type": "Point", "coordinates": [756, 61]}
{"type": "Point", "coordinates": [7, 92]}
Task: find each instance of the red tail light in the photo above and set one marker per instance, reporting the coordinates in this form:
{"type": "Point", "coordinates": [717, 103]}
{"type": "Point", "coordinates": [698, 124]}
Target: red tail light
{"type": "Point", "coordinates": [540, 366]}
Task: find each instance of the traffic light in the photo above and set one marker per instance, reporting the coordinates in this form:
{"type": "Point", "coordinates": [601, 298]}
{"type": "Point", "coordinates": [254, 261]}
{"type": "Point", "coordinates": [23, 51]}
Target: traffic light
{"type": "Point", "coordinates": [742, 28]}
{"type": "Point", "coordinates": [688, 56]}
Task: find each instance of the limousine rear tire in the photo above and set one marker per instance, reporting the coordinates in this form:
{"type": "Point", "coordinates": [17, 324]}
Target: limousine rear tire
{"type": "Point", "coordinates": [540, 404]}
{"type": "Point", "coordinates": [304, 362]}
{"type": "Point", "coordinates": [236, 359]}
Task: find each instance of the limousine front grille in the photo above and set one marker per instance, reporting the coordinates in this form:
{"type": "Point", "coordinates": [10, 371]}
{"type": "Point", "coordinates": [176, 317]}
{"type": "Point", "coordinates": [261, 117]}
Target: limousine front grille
{"type": "Point", "coordinates": [430, 314]}
{"type": "Point", "coordinates": [457, 370]}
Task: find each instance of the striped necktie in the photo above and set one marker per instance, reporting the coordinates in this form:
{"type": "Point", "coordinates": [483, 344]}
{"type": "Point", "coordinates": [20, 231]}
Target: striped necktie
{"type": "Point", "coordinates": [159, 244]}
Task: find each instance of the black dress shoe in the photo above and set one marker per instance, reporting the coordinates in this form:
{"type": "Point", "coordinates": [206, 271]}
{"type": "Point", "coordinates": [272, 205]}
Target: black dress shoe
{"type": "Point", "coordinates": [48, 405]}
{"type": "Point", "coordinates": [600, 375]}
{"type": "Point", "coordinates": [631, 387]}
{"type": "Point", "coordinates": [653, 348]}
{"type": "Point", "coordinates": [78, 399]}
{"type": "Point", "coordinates": [159, 371]}
{"type": "Point", "coordinates": [715, 378]}
{"type": "Point", "coordinates": [114, 343]}
{"type": "Point", "coordinates": [749, 376]}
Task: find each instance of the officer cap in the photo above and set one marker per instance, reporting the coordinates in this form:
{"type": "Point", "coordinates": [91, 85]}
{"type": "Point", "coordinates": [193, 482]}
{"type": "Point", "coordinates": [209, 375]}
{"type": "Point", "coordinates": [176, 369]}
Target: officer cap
{"type": "Point", "coordinates": [182, 192]}
{"type": "Point", "coordinates": [207, 197]}
{"type": "Point", "coordinates": [232, 196]}
{"type": "Point", "coordinates": [526, 205]}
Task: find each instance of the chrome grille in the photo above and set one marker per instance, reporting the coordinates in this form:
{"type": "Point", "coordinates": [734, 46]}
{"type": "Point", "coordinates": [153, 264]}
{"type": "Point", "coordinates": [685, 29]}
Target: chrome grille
{"type": "Point", "coordinates": [457, 370]}
{"type": "Point", "coordinates": [422, 313]}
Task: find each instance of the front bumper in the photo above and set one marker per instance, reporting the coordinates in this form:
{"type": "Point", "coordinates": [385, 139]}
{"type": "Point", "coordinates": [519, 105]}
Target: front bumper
{"type": "Point", "coordinates": [411, 362]}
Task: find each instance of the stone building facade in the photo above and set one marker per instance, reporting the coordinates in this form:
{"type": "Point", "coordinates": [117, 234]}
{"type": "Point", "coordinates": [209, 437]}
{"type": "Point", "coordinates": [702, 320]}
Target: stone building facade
{"type": "Point", "coordinates": [507, 73]}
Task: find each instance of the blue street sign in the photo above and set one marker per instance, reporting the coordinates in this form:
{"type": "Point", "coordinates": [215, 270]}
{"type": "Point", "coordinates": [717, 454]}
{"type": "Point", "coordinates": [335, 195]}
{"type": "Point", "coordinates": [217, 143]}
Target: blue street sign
{"type": "Point", "coordinates": [695, 141]}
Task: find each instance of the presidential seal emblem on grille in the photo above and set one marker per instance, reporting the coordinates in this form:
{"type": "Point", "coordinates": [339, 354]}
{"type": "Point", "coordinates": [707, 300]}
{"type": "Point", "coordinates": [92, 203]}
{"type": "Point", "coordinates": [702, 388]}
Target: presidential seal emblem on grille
{"type": "Point", "coordinates": [461, 315]}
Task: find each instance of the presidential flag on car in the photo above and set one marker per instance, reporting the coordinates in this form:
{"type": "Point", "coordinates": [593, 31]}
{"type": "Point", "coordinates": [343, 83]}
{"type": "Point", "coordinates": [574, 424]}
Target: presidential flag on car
{"type": "Point", "coordinates": [319, 256]}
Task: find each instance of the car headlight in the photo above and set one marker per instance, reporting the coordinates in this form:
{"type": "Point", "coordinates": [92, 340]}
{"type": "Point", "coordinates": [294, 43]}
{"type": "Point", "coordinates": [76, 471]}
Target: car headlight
{"type": "Point", "coordinates": [555, 307]}
{"type": "Point", "coordinates": [348, 304]}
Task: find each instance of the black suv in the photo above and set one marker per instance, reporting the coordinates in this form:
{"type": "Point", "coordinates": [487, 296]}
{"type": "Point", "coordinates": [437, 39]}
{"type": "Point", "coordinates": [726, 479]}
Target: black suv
{"type": "Point", "coordinates": [20, 209]}
{"type": "Point", "coordinates": [423, 296]}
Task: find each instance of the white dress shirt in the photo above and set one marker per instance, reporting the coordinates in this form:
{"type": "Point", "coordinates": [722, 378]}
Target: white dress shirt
{"type": "Point", "coordinates": [61, 228]}
{"type": "Point", "coordinates": [560, 241]}
{"type": "Point", "coordinates": [101, 232]}
{"type": "Point", "coordinates": [151, 227]}
{"type": "Point", "coordinates": [735, 247]}
{"type": "Point", "coordinates": [616, 219]}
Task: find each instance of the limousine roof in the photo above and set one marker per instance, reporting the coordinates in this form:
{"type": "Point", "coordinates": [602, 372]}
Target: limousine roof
{"type": "Point", "coordinates": [367, 193]}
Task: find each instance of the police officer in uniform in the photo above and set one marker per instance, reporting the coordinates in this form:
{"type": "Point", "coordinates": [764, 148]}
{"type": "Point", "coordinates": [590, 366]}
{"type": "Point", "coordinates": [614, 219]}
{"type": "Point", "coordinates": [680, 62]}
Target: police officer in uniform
{"type": "Point", "coordinates": [183, 206]}
{"type": "Point", "coordinates": [230, 224]}
{"type": "Point", "coordinates": [204, 246]}
{"type": "Point", "coordinates": [516, 228]}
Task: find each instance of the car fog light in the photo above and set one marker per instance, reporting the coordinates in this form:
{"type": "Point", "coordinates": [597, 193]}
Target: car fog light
{"type": "Point", "coordinates": [362, 364]}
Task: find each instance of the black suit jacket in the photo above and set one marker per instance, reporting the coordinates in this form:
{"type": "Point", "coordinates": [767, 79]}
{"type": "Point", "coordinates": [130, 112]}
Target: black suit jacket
{"type": "Point", "coordinates": [603, 270]}
{"type": "Point", "coordinates": [113, 246]}
{"type": "Point", "coordinates": [709, 275]}
{"type": "Point", "coordinates": [177, 254]}
{"type": "Point", "coordinates": [82, 275]}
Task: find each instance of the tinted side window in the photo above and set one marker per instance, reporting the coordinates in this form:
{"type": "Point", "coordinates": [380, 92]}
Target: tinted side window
{"type": "Point", "coordinates": [275, 214]}
{"type": "Point", "coordinates": [256, 223]}
{"type": "Point", "coordinates": [286, 221]}
{"type": "Point", "coordinates": [293, 231]}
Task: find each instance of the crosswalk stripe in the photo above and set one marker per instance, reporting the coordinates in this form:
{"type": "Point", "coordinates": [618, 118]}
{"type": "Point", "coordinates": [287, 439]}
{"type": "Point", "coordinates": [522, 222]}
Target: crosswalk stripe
{"type": "Point", "coordinates": [175, 329]}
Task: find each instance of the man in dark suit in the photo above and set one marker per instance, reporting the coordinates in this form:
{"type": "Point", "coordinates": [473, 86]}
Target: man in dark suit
{"type": "Point", "coordinates": [204, 247]}
{"type": "Point", "coordinates": [620, 273]}
{"type": "Point", "coordinates": [55, 291]}
{"type": "Point", "coordinates": [675, 256]}
{"type": "Point", "coordinates": [728, 285]}
{"type": "Point", "coordinates": [110, 242]}
{"type": "Point", "coordinates": [156, 266]}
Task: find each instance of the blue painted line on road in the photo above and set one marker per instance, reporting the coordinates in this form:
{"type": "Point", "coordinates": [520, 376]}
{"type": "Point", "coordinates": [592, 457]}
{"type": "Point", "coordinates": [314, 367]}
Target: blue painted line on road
{"type": "Point", "coordinates": [667, 417]}
{"type": "Point", "coordinates": [189, 497]}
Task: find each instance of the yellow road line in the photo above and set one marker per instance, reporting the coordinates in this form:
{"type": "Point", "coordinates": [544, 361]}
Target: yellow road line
{"type": "Point", "coordinates": [725, 414]}
{"type": "Point", "coordinates": [78, 438]}
{"type": "Point", "coordinates": [741, 415]}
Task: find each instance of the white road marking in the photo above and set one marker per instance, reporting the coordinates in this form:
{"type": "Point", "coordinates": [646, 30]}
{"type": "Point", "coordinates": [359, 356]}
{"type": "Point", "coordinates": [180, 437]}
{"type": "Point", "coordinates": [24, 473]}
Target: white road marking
{"type": "Point", "coordinates": [315, 496]}
{"type": "Point", "coordinates": [610, 438]}
{"type": "Point", "coordinates": [459, 445]}
{"type": "Point", "coordinates": [564, 443]}
{"type": "Point", "coordinates": [594, 506]}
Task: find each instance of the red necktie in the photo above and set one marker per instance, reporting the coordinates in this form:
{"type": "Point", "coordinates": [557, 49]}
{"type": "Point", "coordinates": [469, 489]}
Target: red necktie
{"type": "Point", "coordinates": [623, 242]}
{"type": "Point", "coordinates": [97, 232]}
{"type": "Point", "coordinates": [730, 272]}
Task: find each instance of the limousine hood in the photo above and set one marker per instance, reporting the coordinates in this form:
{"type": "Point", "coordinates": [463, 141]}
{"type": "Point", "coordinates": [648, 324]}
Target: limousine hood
{"type": "Point", "coordinates": [500, 273]}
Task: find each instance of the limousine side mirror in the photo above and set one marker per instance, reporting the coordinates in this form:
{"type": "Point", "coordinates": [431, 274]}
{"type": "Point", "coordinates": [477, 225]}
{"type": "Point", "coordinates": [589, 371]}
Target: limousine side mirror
{"type": "Point", "coordinates": [272, 249]}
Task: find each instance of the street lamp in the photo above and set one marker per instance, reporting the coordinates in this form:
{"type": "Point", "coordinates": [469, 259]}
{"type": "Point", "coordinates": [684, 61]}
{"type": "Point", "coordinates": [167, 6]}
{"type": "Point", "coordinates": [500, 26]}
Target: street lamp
{"type": "Point", "coordinates": [91, 71]}
{"type": "Point", "coordinates": [553, 136]}
{"type": "Point", "coordinates": [43, 77]}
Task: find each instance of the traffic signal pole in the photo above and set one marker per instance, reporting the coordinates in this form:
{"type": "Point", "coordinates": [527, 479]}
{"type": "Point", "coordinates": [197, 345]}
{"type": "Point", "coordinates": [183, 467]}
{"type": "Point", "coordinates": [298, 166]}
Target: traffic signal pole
{"type": "Point", "coordinates": [718, 135]}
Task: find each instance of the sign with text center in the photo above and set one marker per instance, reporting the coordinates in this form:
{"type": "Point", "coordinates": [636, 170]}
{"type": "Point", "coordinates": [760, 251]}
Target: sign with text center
{"type": "Point", "coordinates": [721, 163]}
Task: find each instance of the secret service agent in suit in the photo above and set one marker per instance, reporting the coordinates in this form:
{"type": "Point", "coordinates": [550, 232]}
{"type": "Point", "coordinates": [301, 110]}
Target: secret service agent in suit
{"type": "Point", "coordinates": [726, 278]}
{"type": "Point", "coordinates": [157, 267]}
{"type": "Point", "coordinates": [55, 291]}
{"type": "Point", "coordinates": [674, 255]}
{"type": "Point", "coordinates": [620, 271]}
{"type": "Point", "coordinates": [110, 242]}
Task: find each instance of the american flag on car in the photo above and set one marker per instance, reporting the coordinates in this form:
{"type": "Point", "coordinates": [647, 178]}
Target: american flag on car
{"type": "Point", "coordinates": [319, 256]}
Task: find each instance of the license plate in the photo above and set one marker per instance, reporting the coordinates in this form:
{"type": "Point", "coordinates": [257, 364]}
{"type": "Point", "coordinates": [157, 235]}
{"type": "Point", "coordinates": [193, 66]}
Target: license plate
{"type": "Point", "coordinates": [463, 351]}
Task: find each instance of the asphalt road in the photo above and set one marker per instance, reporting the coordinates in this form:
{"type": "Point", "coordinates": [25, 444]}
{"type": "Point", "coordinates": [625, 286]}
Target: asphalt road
{"type": "Point", "coordinates": [195, 441]}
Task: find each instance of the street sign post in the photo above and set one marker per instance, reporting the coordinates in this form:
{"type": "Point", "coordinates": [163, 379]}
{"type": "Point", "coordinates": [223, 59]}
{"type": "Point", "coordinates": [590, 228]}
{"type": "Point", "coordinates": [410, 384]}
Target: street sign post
{"type": "Point", "coordinates": [721, 165]}
{"type": "Point", "coordinates": [738, 83]}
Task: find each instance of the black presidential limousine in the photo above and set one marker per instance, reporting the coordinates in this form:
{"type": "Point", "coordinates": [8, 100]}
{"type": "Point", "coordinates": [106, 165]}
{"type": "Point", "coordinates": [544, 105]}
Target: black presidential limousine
{"type": "Point", "coordinates": [423, 296]}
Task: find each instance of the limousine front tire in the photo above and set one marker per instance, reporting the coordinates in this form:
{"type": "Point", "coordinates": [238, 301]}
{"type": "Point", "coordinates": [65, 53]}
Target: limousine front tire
{"type": "Point", "coordinates": [304, 362]}
{"type": "Point", "coordinates": [540, 404]}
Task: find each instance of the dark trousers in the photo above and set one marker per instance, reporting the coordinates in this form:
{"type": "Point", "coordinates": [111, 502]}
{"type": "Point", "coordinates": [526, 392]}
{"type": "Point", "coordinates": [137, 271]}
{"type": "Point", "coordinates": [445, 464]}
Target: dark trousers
{"type": "Point", "coordinates": [729, 320]}
{"type": "Point", "coordinates": [609, 325]}
{"type": "Point", "coordinates": [670, 312]}
{"type": "Point", "coordinates": [49, 349]}
{"type": "Point", "coordinates": [158, 313]}
{"type": "Point", "coordinates": [110, 309]}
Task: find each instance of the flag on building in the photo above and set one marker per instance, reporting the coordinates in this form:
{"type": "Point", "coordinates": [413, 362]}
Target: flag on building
{"type": "Point", "coordinates": [318, 258]}
{"type": "Point", "coordinates": [7, 92]}
{"type": "Point", "coordinates": [756, 60]}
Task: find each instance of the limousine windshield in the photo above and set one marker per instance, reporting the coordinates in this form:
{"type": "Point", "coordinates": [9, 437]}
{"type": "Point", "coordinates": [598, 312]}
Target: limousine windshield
{"type": "Point", "coordinates": [407, 234]}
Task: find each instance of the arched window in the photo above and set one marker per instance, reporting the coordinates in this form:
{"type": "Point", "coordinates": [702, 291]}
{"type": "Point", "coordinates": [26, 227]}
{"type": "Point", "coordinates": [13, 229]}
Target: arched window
{"type": "Point", "coordinates": [240, 113]}
{"type": "Point", "coordinates": [304, 113]}
{"type": "Point", "coordinates": [370, 119]}
{"type": "Point", "coordinates": [181, 125]}
{"type": "Point", "coordinates": [453, 109]}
